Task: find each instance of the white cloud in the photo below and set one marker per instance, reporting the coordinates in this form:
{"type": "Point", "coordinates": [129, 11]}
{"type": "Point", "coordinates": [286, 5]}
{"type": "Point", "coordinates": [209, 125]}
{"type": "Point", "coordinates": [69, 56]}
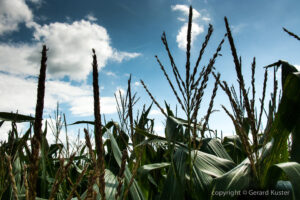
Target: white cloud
{"type": "Point", "coordinates": [91, 17]}
{"type": "Point", "coordinates": [108, 73]}
{"type": "Point", "coordinates": [181, 36]}
{"type": "Point", "coordinates": [185, 9]}
{"type": "Point", "coordinates": [36, 1]}
{"type": "Point", "coordinates": [181, 19]}
{"type": "Point", "coordinates": [237, 28]}
{"type": "Point", "coordinates": [120, 89]}
{"type": "Point", "coordinates": [207, 19]}
{"type": "Point", "coordinates": [197, 28]}
{"type": "Point", "coordinates": [297, 67]}
{"type": "Point", "coordinates": [155, 112]}
{"type": "Point", "coordinates": [69, 55]}
{"type": "Point", "coordinates": [6, 127]}
{"type": "Point", "coordinates": [19, 58]}
{"type": "Point", "coordinates": [70, 47]}
{"type": "Point", "coordinates": [19, 94]}
{"type": "Point", "coordinates": [159, 129]}
{"type": "Point", "coordinates": [69, 50]}
{"type": "Point", "coordinates": [120, 56]}
{"type": "Point", "coordinates": [83, 105]}
{"type": "Point", "coordinates": [137, 83]}
{"type": "Point", "coordinates": [12, 13]}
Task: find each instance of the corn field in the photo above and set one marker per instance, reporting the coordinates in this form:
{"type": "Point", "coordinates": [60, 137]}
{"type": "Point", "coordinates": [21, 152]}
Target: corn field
{"type": "Point", "coordinates": [125, 159]}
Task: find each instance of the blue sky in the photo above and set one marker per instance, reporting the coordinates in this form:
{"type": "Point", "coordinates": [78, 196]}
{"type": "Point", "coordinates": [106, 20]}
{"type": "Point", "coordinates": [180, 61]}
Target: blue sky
{"type": "Point", "coordinates": [126, 35]}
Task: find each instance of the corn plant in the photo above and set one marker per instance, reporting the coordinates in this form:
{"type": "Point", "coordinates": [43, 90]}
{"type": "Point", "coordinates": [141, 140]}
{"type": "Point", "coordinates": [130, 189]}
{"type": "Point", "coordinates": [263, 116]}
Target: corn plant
{"type": "Point", "coordinates": [129, 161]}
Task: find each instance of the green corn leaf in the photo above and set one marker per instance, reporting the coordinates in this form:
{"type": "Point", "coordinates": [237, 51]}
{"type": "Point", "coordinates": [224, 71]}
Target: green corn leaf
{"type": "Point", "coordinates": [285, 122]}
{"type": "Point", "coordinates": [234, 180]}
{"type": "Point", "coordinates": [6, 116]}
{"type": "Point", "coordinates": [83, 122]}
{"type": "Point", "coordinates": [214, 146]}
{"type": "Point", "coordinates": [111, 184]}
{"type": "Point", "coordinates": [211, 164]}
{"type": "Point", "coordinates": [147, 168]}
{"type": "Point", "coordinates": [135, 190]}
{"type": "Point", "coordinates": [174, 186]}
{"type": "Point", "coordinates": [292, 172]}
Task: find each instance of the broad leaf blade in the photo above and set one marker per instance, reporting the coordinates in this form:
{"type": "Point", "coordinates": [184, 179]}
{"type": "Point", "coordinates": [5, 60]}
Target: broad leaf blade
{"type": "Point", "coordinates": [291, 170]}
{"type": "Point", "coordinates": [6, 116]}
{"type": "Point", "coordinates": [214, 146]}
{"type": "Point", "coordinates": [145, 169]}
{"type": "Point", "coordinates": [136, 192]}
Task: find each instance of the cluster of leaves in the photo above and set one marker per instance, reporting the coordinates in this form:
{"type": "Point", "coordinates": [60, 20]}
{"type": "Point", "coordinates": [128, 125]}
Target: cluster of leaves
{"type": "Point", "coordinates": [132, 162]}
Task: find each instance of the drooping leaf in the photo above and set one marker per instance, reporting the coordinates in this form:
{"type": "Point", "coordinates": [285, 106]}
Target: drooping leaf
{"type": "Point", "coordinates": [201, 184]}
{"type": "Point", "coordinates": [286, 69]}
{"type": "Point", "coordinates": [174, 186]}
{"type": "Point", "coordinates": [83, 122]}
{"type": "Point", "coordinates": [154, 139]}
{"type": "Point", "coordinates": [292, 172]}
{"type": "Point", "coordinates": [214, 146]}
{"type": "Point", "coordinates": [111, 184]}
{"type": "Point", "coordinates": [136, 192]}
{"type": "Point", "coordinates": [285, 122]}
{"type": "Point", "coordinates": [211, 164]}
{"type": "Point", "coordinates": [295, 150]}
{"type": "Point", "coordinates": [284, 190]}
{"type": "Point", "coordinates": [6, 116]}
{"type": "Point", "coordinates": [240, 177]}
{"type": "Point", "coordinates": [234, 147]}
{"type": "Point", "coordinates": [237, 179]}
{"type": "Point", "coordinates": [143, 170]}
{"type": "Point", "coordinates": [174, 131]}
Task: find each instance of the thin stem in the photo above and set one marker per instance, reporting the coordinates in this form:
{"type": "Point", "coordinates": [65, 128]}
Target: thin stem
{"type": "Point", "coordinates": [292, 34]}
{"type": "Point", "coordinates": [153, 99]}
{"type": "Point", "coordinates": [209, 110]}
{"type": "Point", "coordinates": [207, 37]}
{"type": "Point", "coordinates": [170, 83]}
{"type": "Point", "coordinates": [263, 98]}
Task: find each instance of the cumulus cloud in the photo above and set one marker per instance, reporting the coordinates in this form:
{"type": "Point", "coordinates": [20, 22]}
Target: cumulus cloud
{"type": "Point", "coordinates": [159, 129]}
{"type": "Point", "coordinates": [83, 105]}
{"type": "Point", "coordinates": [19, 94]}
{"type": "Point", "coordinates": [185, 10]}
{"type": "Point", "coordinates": [6, 127]}
{"type": "Point", "coordinates": [119, 91]}
{"type": "Point", "coordinates": [69, 55]}
{"type": "Point", "coordinates": [36, 1]}
{"type": "Point", "coordinates": [197, 27]}
{"type": "Point", "coordinates": [120, 56]}
{"type": "Point", "coordinates": [12, 13]}
{"type": "Point", "coordinates": [69, 50]}
{"type": "Point", "coordinates": [108, 73]}
{"type": "Point", "coordinates": [91, 17]}
{"type": "Point", "coordinates": [155, 112]}
{"type": "Point", "coordinates": [181, 36]}
{"type": "Point", "coordinates": [19, 59]}
{"type": "Point", "coordinates": [207, 19]}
